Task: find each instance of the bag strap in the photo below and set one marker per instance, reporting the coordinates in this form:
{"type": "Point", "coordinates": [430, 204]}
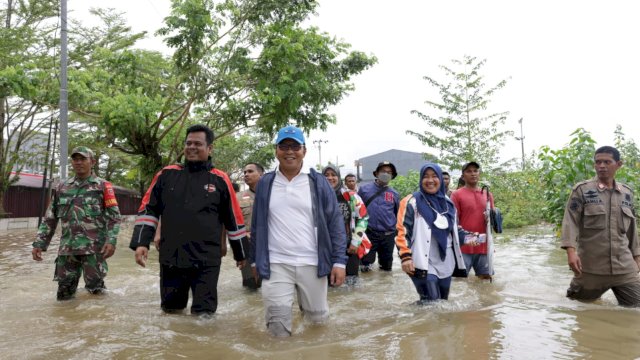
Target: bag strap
{"type": "Point", "coordinates": [369, 200]}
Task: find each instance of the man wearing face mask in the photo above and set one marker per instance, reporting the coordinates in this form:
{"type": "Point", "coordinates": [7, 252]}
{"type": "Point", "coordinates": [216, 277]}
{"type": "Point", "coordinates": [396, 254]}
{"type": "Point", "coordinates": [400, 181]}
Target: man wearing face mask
{"type": "Point", "coordinates": [382, 202]}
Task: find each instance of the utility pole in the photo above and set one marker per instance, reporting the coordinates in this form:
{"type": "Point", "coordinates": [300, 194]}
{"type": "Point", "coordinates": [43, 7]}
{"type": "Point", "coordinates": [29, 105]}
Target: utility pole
{"type": "Point", "coordinates": [521, 139]}
{"type": "Point", "coordinates": [64, 105]}
{"type": "Point", "coordinates": [357, 164]}
{"type": "Point", "coordinates": [43, 196]}
{"type": "Point", "coordinates": [319, 142]}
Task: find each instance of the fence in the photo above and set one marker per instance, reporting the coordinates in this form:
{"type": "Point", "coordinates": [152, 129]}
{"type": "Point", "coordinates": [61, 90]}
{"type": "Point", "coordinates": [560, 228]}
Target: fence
{"type": "Point", "coordinates": [22, 201]}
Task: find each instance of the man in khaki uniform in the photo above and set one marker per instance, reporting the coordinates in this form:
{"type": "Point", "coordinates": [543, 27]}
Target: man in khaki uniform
{"type": "Point", "coordinates": [599, 221]}
{"type": "Point", "coordinates": [252, 174]}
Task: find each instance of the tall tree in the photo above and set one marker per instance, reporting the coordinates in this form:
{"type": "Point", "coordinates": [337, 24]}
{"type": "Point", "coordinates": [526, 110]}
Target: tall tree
{"type": "Point", "coordinates": [237, 65]}
{"type": "Point", "coordinates": [27, 73]}
{"type": "Point", "coordinates": [460, 128]}
{"type": "Point", "coordinates": [106, 76]}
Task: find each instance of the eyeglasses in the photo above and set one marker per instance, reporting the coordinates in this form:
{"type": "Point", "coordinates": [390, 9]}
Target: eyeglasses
{"type": "Point", "coordinates": [287, 147]}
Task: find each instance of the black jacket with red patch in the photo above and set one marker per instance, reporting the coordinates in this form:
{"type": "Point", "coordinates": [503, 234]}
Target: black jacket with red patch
{"type": "Point", "coordinates": [193, 203]}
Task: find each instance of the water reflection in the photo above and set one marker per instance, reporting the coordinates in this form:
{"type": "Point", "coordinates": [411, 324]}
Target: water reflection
{"type": "Point", "coordinates": [522, 315]}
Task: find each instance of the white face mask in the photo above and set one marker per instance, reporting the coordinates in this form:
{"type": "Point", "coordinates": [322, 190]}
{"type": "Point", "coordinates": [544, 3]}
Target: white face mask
{"type": "Point", "coordinates": [384, 177]}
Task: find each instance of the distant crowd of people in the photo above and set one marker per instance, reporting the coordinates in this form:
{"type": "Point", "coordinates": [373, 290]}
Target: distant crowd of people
{"type": "Point", "coordinates": [296, 232]}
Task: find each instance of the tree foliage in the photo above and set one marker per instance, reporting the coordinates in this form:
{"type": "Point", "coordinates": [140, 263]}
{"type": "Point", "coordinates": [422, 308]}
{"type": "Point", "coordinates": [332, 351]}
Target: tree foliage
{"type": "Point", "coordinates": [629, 173]}
{"type": "Point", "coordinates": [562, 169]}
{"type": "Point", "coordinates": [232, 153]}
{"type": "Point", "coordinates": [237, 65]}
{"type": "Point", "coordinates": [460, 127]}
{"type": "Point", "coordinates": [27, 75]}
{"type": "Point", "coordinates": [518, 194]}
{"type": "Point", "coordinates": [406, 185]}
{"type": "Point", "coordinates": [244, 68]}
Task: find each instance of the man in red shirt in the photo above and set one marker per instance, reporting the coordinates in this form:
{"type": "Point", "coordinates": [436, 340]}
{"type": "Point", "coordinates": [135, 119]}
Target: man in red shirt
{"type": "Point", "coordinates": [471, 203]}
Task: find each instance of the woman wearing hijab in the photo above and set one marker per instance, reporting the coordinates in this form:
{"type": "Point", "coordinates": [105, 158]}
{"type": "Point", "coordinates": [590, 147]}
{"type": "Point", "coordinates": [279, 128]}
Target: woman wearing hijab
{"type": "Point", "coordinates": [427, 237]}
{"type": "Point", "coordinates": [355, 222]}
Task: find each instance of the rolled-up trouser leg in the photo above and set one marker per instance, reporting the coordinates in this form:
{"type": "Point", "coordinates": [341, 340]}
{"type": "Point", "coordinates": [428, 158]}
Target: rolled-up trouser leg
{"type": "Point", "coordinates": [277, 296]}
{"type": "Point", "coordinates": [67, 273]}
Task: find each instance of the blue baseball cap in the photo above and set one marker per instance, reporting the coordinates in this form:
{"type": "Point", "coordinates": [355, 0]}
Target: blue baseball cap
{"type": "Point", "coordinates": [290, 132]}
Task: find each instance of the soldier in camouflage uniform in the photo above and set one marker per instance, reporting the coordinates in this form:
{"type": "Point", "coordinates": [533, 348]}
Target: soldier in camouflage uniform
{"type": "Point", "coordinates": [87, 207]}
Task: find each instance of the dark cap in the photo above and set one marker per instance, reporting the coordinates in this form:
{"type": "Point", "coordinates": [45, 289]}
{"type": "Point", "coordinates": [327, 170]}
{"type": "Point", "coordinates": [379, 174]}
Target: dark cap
{"type": "Point", "coordinates": [470, 163]}
{"type": "Point", "coordinates": [82, 150]}
{"type": "Point", "coordinates": [394, 173]}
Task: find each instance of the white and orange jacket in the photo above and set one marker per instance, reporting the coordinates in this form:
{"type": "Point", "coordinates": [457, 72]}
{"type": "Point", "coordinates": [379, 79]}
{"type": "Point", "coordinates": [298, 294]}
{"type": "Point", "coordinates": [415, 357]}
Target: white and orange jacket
{"type": "Point", "coordinates": [414, 236]}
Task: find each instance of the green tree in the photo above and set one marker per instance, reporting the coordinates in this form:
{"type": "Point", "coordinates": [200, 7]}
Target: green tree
{"type": "Point", "coordinates": [111, 163]}
{"type": "Point", "coordinates": [460, 128]}
{"type": "Point", "coordinates": [519, 195]}
{"type": "Point", "coordinates": [237, 65]}
{"type": "Point", "coordinates": [27, 72]}
{"type": "Point", "coordinates": [629, 173]}
{"type": "Point", "coordinates": [122, 97]}
{"type": "Point", "coordinates": [562, 169]}
{"type": "Point", "coordinates": [231, 153]}
{"type": "Point", "coordinates": [406, 185]}
{"type": "Point", "coordinates": [630, 155]}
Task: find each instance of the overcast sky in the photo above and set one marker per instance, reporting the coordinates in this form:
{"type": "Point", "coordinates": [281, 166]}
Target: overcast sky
{"type": "Point", "coordinates": [568, 64]}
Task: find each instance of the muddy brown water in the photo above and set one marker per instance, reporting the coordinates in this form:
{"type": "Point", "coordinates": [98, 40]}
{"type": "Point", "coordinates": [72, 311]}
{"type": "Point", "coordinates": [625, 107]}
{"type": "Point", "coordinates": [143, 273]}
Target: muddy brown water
{"type": "Point", "coordinates": [523, 314]}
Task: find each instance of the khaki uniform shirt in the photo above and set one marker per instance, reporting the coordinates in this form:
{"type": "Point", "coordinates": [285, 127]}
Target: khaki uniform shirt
{"type": "Point", "coordinates": [246, 199]}
{"type": "Point", "coordinates": [600, 223]}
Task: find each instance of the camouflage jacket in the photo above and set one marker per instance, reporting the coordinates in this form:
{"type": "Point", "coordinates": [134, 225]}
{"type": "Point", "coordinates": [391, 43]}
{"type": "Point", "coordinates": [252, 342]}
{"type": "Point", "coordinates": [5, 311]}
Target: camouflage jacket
{"type": "Point", "coordinates": [89, 214]}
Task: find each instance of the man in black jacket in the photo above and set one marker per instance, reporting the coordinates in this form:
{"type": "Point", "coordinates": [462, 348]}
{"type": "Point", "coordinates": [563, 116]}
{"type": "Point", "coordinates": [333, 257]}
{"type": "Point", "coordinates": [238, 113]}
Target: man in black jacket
{"type": "Point", "coordinates": [194, 201]}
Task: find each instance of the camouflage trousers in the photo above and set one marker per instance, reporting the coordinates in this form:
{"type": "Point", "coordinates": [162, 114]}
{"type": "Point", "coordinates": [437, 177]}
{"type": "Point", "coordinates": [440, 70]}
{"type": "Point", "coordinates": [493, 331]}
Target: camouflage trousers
{"type": "Point", "coordinates": [69, 268]}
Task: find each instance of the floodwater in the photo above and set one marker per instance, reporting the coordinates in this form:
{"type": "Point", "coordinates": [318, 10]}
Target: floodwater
{"type": "Point", "coordinates": [523, 314]}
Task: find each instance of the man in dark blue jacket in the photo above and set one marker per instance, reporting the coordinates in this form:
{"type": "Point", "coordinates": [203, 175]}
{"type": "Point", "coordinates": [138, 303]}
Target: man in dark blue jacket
{"type": "Point", "coordinates": [195, 201]}
{"type": "Point", "coordinates": [382, 202]}
{"type": "Point", "coordinates": [298, 236]}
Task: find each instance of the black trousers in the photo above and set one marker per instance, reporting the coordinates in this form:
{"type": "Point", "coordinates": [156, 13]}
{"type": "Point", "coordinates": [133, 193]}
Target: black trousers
{"type": "Point", "coordinates": [175, 284]}
{"type": "Point", "coordinates": [382, 244]}
{"type": "Point", "coordinates": [353, 265]}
